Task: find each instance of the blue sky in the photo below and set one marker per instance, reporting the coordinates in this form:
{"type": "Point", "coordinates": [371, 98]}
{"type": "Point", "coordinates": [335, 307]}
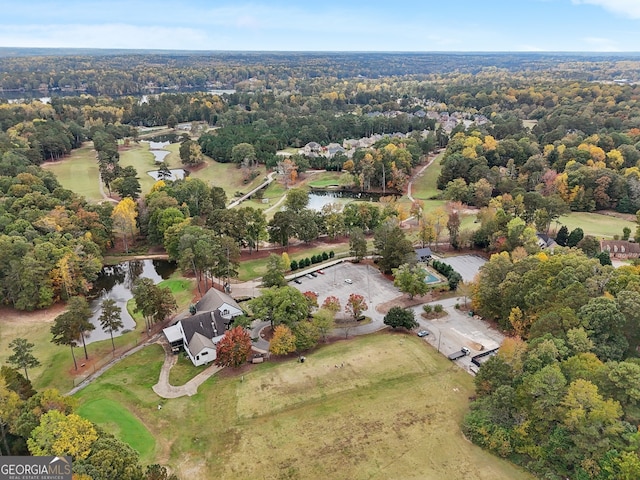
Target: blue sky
{"type": "Point", "coordinates": [327, 25]}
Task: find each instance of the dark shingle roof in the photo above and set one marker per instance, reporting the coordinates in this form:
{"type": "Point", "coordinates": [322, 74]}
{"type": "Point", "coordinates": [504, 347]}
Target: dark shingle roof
{"type": "Point", "coordinates": [213, 300]}
{"type": "Point", "coordinates": [203, 323]}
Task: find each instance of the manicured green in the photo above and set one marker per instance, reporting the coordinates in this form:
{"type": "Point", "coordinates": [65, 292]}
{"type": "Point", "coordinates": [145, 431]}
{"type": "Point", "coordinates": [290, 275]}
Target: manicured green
{"type": "Point", "coordinates": [325, 179]}
{"type": "Point", "coordinates": [126, 389]}
{"type": "Point", "coordinates": [596, 224]}
{"type": "Point", "coordinates": [117, 420]}
{"type": "Point", "coordinates": [425, 186]}
{"type": "Point", "coordinates": [140, 157]}
{"type": "Point", "coordinates": [79, 172]}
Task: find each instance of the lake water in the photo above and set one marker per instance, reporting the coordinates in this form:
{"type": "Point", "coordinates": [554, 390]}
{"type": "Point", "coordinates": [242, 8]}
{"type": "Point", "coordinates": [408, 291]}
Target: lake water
{"type": "Point", "coordinates": [176, 174]}
{"type": "Point", "coordinates": [317, 199]}
{"type": "Point", "coordinates": [116, 282]}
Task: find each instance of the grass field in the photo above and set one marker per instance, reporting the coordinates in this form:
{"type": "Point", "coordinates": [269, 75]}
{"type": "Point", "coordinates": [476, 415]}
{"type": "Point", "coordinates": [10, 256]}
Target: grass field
{"type": "Point", "coordinates": [425, 186]}
{"type": "Point", "coordinates": [250, 269]}
{"type": "Point", "coordinates": [183, 371]}
{"type": "Point", "coordinates": [57, 369]}
{"type": "Point", "coordinates": [122, 400]}
{"type": "Point", "coordinates": [118, 421]}
{"type": "Point", "coordinates": [596, 224]}
{"type": "Point", "coordinates": [79, 172]}
{"type": "Point", "coordinates": [392, 411]}
{"type": "Point", "coordinates": [325, 179]}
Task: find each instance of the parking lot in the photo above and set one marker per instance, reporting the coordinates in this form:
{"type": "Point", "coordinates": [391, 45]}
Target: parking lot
{"type": "Point", "coordinates": [456, 330]}
{"type": "Point", "coordinates": [466, 265]}
{"type": "Point", "coordinates": [365, 280]}
{"type": "Point", "coordinates": [448, 334]}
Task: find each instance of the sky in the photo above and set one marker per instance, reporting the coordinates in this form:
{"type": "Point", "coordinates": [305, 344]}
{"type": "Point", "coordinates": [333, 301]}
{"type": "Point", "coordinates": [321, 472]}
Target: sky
{"type": "Point", "coordinates": [325, 25]}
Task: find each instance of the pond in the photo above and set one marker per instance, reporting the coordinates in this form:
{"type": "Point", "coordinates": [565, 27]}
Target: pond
{"type": "Point", "coordinates": [318, 199]}
{"type": "Point", "coordinates": [158, 143]}
{"type": "Point", "coordinates": [176, 174]}
{"type": "Point", "coordinates": [116, 282]}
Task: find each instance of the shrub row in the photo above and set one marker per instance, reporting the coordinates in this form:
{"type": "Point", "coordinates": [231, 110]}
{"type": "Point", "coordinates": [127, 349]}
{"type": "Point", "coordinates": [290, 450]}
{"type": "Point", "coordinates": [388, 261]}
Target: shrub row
{"type": "Point", "coordinates": [305, 262]}
{"type": "Point", "coordinates": [453, 277]}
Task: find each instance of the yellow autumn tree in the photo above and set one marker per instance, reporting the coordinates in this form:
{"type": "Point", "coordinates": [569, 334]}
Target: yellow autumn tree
{"type": "Point", "coordinates": [283, 341]}
{"type": "Point", "coordinates": [520, 322]}
{"type": "Point", "coordinates": [59, 434]}
{"type": "Point", "coordinates": [615, 159]}
{"type": "Point", "coordinates": [286, 261]}
{"type": "Point", "coordinates": [489, 144]}
{"type": "Point", "coordinates": [124, 219]}
{"type": "Point", "coordinates": [159, 185]}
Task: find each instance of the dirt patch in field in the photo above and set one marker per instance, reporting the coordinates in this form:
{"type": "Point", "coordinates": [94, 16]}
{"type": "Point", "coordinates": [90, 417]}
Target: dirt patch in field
{"type": "Point", "coordinates": [11, 316]}
{"type": "Point", "coordinates": [624, 216]}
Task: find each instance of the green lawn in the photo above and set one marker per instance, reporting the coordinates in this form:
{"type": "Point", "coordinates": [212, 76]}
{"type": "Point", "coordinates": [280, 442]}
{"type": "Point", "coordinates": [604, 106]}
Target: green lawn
{"type": "Point", "coordinates": [325, 179]}
{"type": "Point", "coordinates": [250, 269]}
{"type": "Point", "coordinates": [596, 224]}
{"type": "Point", "coordinates": [140, 157]}
{"type": "Point", "coordinates": [183, 370]}
{"type": "Point", "coordinates": [394, 411]}
{"type": "Point", "coordinates": [117, 420]}
{"type": "Point", "coordinates": [425, 185]}
{"type": "Point", "coordinates": [122, 401]}
{"type": "Point", "coordinates": [79, 172]}
{"type": "Point", "coordinates": [57, 369]}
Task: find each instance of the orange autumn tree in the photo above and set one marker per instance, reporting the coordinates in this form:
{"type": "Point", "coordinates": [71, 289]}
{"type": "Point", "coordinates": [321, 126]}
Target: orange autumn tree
{"type": "Point", "coordinates": [234, 348]}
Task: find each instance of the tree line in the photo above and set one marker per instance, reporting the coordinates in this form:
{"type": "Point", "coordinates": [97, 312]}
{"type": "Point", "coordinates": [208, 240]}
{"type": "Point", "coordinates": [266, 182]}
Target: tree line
{"type": "Point", "coordinates": [560, 396]}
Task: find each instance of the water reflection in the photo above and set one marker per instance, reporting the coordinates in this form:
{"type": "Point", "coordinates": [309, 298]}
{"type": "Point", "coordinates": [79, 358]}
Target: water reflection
{"type": "Point", "coordinates": [319, 198]}
{"type": "Point", "coordinates": [116, 282]}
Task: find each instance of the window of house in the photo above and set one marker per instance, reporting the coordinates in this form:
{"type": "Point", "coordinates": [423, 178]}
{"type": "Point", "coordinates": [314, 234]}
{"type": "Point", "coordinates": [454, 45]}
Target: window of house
{"type": "Point", "coordinates": [204, 353]}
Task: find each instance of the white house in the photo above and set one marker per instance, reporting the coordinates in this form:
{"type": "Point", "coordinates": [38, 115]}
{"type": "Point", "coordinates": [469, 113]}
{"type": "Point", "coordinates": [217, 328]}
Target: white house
{"type": "Point", "coordinates": [200, 333]}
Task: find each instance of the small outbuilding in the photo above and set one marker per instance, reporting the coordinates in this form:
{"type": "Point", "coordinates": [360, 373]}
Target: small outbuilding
{"type": "Point", "coordinates": [423, 254]}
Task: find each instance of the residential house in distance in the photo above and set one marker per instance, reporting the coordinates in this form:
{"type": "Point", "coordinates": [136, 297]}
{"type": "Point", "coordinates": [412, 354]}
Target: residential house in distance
{"type": "Point", "coordinates": [199, 333]}
{"type": "Point", "coordinates": [311, 149]}
{"type": "Point", "coordinates": [545, 242]}
{"type": "Point", "coordinates": [620, 249]}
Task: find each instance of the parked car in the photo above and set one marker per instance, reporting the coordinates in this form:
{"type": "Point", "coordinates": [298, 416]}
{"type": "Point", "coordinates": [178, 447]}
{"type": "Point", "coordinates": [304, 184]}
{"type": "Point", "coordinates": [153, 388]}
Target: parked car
{"type": "Point", "coordinates": [313, 274]}
{"type": "Point", "coordinates": [348, 280]}
{"type": "Point", "coordinates": [423, 333]}
{"type": "Point", "coordinates": [297, 280]}
{"type": "Point", "coordinates": [321, 272]}
{"type": "Point", "coordinates": [308, 275]}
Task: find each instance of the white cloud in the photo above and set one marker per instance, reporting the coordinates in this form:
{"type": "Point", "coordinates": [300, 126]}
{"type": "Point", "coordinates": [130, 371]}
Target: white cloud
{"type": "Point", "coordinates": [628, 8]}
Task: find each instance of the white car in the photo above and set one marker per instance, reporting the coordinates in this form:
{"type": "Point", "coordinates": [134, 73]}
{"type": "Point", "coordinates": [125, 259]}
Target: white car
{"type": "Point", "coordinates": [348, 280]}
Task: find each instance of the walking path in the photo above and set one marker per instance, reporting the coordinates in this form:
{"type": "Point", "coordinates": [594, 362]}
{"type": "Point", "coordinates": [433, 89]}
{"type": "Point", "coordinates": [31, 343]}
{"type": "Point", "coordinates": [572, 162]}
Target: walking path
{"type": "Point", "coordinates": [97, 373]}
{"type": "Point", "coordinates": [270, 178]}
{"type": "Point", "coordinates": [165, 390]}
